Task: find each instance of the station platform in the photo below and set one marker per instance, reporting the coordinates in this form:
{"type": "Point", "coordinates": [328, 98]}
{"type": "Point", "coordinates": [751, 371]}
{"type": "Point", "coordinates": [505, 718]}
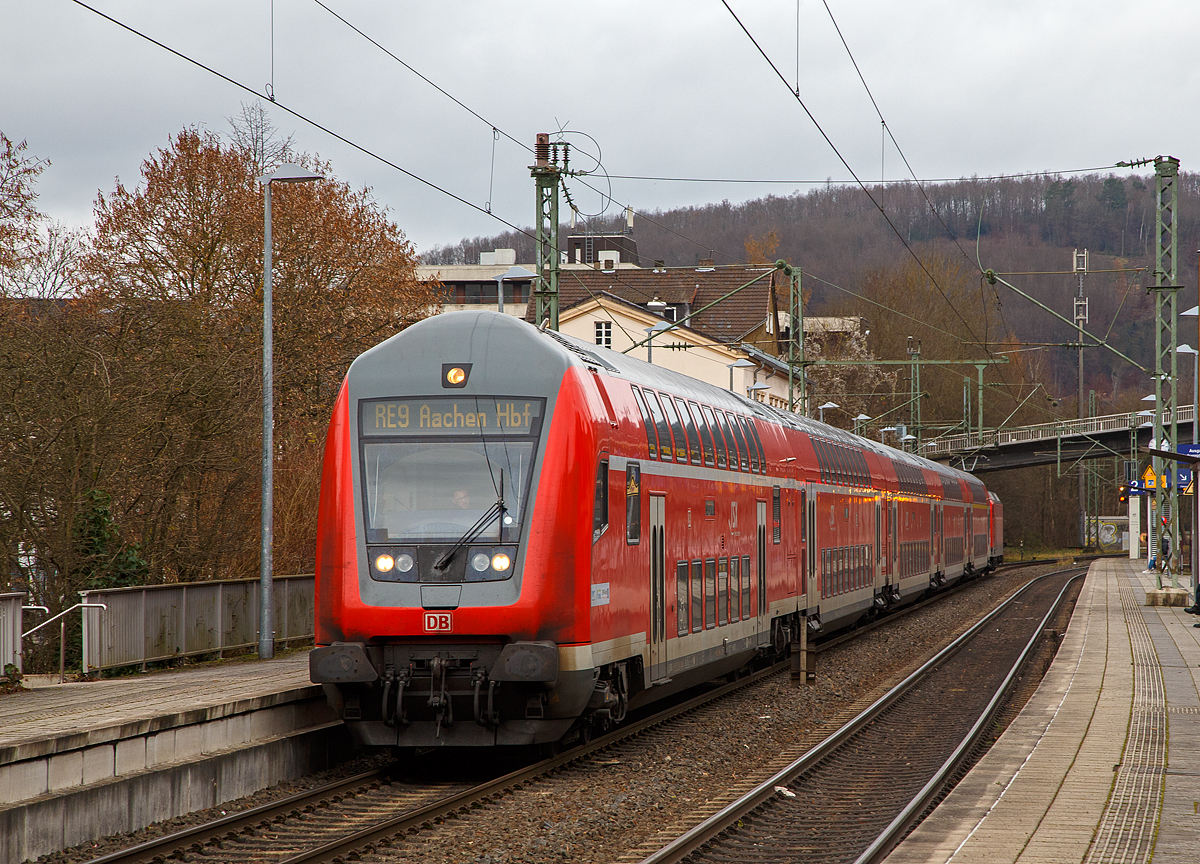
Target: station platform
{"type": "Point", "coordinates": [1103, 763]}
{"type": "Point", "coordinates": [90, 759]}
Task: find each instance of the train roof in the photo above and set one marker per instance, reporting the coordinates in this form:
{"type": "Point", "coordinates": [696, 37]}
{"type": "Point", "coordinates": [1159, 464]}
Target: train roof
{"type": "Point", "coordinates": [452, 328]}
{"type": "Point", "coordinates": [646, 374]}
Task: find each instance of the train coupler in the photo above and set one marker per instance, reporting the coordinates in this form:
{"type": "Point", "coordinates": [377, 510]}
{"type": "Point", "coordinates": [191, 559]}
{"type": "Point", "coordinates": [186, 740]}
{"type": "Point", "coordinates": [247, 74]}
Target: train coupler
{"type": "Point", "coordinates": [487, 715]}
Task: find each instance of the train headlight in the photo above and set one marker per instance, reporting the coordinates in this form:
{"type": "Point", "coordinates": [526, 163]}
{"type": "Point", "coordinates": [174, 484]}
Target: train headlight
{"type": "Point", "coordinates": [480, 561]}
{"type": "Point", "coordinates": [384, 563]}
{"type": "Point", "coordinates": [455, 375]}
{"type": "Point", "coordinates": [500, 562]}
{"type": "Point", "coordinates": [404, 562]}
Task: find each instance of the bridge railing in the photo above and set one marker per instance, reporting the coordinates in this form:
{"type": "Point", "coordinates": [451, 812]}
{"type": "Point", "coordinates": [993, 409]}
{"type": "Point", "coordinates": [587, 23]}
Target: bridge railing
{"type": "Point", "coordinates": [963, 443]}
{"type": "Point", "coordinates": [145, 624]}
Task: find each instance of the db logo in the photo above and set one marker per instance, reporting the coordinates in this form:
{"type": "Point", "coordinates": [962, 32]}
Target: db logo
{"type": "Point", "coordinates": [439, 622]}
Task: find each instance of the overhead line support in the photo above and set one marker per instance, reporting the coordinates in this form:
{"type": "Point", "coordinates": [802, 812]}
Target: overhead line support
{"type": "Point", "coordinates": [547, 174]}
{"type": "Point", "coordinates": [1166, 363]}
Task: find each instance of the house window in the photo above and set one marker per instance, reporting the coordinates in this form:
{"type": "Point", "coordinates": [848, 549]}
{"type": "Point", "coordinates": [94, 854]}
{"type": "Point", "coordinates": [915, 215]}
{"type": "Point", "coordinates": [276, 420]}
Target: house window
{"type": "Point", "coordinates": [604, 334]}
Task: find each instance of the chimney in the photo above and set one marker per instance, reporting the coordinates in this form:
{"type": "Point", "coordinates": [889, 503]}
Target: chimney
{"type": "Point", "coordinates": [628, 219]}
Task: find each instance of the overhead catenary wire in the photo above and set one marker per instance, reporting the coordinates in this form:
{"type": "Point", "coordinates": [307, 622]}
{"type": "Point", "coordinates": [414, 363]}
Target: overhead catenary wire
{"type": "Point", "coordinates": [498, 131]}
{"type": "Point", "coordinates": [847, 166]}
{"type": "Point", "coordinates": [304, 118]}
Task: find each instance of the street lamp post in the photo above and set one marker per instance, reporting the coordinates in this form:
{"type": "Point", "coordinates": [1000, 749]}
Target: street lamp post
{"type": "Point", "coordinates": [821, 410]}
{"type": "Point", "coordinates": [285, 173]}
{"type": "Point", "coordinates": [754, 389]}
{"type": "Point", "coordinates": [741, 363]}
{"type": "Point", "coordinates": [512, 273]}
{"type": "Point", "coordinates": [858, 423]}
{"type": "Point", "coordinates": [651, 333]}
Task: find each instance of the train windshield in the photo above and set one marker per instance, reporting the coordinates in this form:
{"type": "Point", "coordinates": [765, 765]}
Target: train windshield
{"type": "Point", "coordinates": [434, 467]}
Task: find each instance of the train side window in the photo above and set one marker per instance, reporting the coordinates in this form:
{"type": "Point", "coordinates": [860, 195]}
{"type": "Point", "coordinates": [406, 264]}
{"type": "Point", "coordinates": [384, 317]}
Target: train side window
{"type": "Point", "coordinates": [681, 597]}
{"type": "Point", "coordinates": [723, 591]}
{"type": "Point", "coordinates": [741, 421]}
{"type": "Point", "coordinates": [633, 503]}
{"type": "Point", "coordinates": [757, 445]}
{"type": "Point", "coordinates": [600, 507]}
{"type": "Point", "coordinates": [839, 458]}
{"type": "Point", "coordinates": [718, 439]}
{"type": "Point", "coordinates": [735, 586]}
{"type": "Point", "coordinates": [743, 450]}
{"type": "Point", "coordinates": [697, 596]}
{"type": "Point", "coordinates": [705, 435]}
{"type": "Point", "coordinates": [660, 422]}
{"type": "Point", "coordinates": [693, 437]}
{"type": "Point", "coordinates": [648, 422]}
{"type": "Point", "coordinates": [730, 442]}
{"type": "Point", "coordinates": [681, 444]}
{"type": "Point", "coordinates": [776, 516]}
{"type": "Point", "coordinates": [710, 593]}
{"type": "Point", "coordinates": [746, 613]}
{"type": "Point", "coordinates": [819, 451]}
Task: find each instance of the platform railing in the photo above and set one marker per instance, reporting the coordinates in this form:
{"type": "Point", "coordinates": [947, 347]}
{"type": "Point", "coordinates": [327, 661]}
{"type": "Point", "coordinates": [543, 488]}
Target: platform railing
{"type": "Point", "coordinates": [61, 618]}
{"type": "Point", "coordinates": [949, 445]}
{"type": "Point", "coordinates": [148, 624]}
{"type": "Point", "coordinates": [10, 630]}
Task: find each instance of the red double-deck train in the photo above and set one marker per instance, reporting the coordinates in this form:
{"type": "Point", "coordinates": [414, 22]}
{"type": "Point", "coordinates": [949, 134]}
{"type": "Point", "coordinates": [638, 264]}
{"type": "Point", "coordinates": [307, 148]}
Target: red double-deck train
{"type": "Point", "coordinates": [521, 536]}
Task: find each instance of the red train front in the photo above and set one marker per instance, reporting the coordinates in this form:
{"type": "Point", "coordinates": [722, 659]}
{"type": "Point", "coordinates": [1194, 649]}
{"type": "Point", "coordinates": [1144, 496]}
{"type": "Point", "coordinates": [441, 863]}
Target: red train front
{"type": "Point", "coordinates": [520, 537]}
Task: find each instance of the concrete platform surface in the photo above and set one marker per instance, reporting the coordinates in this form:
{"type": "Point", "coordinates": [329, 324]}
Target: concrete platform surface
{"type": "Point", "coordinates": [67, 716]}
{"type": "Point", "coordinates": [1103, 764]}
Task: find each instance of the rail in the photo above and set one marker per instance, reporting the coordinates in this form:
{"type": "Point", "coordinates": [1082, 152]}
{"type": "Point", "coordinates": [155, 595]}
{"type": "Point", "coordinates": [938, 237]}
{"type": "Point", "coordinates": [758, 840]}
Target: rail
{"type": "Point", "coordinates": [152, 623]}
{"type": "Point", "coordinates": [711, 828]}
{"type": "Point", "coordinates": [950, 445]}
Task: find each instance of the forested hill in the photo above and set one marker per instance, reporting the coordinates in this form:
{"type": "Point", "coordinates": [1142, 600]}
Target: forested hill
{"type": "Point", "coordinates": [1015, 225]}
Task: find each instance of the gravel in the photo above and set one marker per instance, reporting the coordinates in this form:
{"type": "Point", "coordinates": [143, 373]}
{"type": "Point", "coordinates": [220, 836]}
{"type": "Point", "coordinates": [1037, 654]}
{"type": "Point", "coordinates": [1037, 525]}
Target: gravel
{"type": "Point", "coordinates": [625, 802]}
{"type": "Point", "coordinates": [629, 800]}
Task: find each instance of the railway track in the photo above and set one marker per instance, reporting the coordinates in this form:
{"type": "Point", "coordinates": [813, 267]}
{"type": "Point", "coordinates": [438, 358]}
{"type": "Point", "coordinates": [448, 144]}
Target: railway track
{"type": "Point", "coordinates": [327, 823]}
{"type": "Point", "coordinates": [852, 798]}
{"type": "Point", "coordinates": [363, 812]}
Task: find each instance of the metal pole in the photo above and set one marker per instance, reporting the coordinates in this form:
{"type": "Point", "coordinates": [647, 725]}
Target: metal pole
{"type": "Point", "coordinates": [62, 653]}
{"type": "Point", "coordinates": [979, 401]}
{"type": "Point", "coordinates": [266, 599]}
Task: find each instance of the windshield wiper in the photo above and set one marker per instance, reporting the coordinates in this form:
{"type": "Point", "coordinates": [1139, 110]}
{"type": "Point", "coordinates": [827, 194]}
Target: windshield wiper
{"type": "Point", "coordinates": [489, 516]}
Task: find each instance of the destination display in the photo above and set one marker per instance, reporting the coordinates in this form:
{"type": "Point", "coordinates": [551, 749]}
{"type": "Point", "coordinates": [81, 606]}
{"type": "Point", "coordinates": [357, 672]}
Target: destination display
{"type": "Point", "coordinates": [477, 416]}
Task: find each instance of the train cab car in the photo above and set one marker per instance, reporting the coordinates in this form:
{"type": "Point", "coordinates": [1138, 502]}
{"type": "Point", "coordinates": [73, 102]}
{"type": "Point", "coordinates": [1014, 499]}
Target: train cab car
{"type": "Point", "coordinates": [522, 536]}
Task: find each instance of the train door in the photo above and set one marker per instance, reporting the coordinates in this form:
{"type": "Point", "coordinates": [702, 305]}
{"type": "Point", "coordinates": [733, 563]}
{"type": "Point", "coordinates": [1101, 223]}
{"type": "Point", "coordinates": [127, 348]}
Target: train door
{"type": "Point", "coordinates": [658, 588]}
{"type": "Point", "coordinates": [764, 623]}
{"type": "Point", "coordinates": [812, 599]}
{"type": "Point", "coordinates": [896, 573]}
{"type": "Point", "coordinates": [877, 557]}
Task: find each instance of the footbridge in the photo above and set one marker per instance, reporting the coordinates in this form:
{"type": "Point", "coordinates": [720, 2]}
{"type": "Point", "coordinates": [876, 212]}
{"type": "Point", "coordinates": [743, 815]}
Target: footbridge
{"type": "Point", "coordinates": [1050, 443]}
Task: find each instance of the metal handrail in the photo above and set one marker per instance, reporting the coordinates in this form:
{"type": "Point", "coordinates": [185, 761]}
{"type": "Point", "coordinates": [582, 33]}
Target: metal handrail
{"type": "Point", "coordinates": [62, 632]}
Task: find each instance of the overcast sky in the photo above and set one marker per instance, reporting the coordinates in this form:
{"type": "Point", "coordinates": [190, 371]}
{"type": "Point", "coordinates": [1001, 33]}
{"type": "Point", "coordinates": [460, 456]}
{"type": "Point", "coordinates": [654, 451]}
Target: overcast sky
{"type": "Point", "coordinates": [666, 89]}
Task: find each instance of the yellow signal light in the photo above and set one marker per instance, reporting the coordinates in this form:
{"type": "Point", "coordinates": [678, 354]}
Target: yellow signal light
{"type": "Point", "coordinates": [455, 376]}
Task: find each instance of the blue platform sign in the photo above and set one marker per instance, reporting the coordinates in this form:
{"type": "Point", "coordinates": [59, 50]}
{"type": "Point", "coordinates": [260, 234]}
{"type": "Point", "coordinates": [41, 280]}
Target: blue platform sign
{"type": "Point", "coordinates": [1185, 474]}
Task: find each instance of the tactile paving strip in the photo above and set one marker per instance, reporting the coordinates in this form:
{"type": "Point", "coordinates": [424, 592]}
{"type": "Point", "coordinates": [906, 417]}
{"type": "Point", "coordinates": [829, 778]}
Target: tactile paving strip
{"type": "Point", "coordinates": [1127, 828]}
